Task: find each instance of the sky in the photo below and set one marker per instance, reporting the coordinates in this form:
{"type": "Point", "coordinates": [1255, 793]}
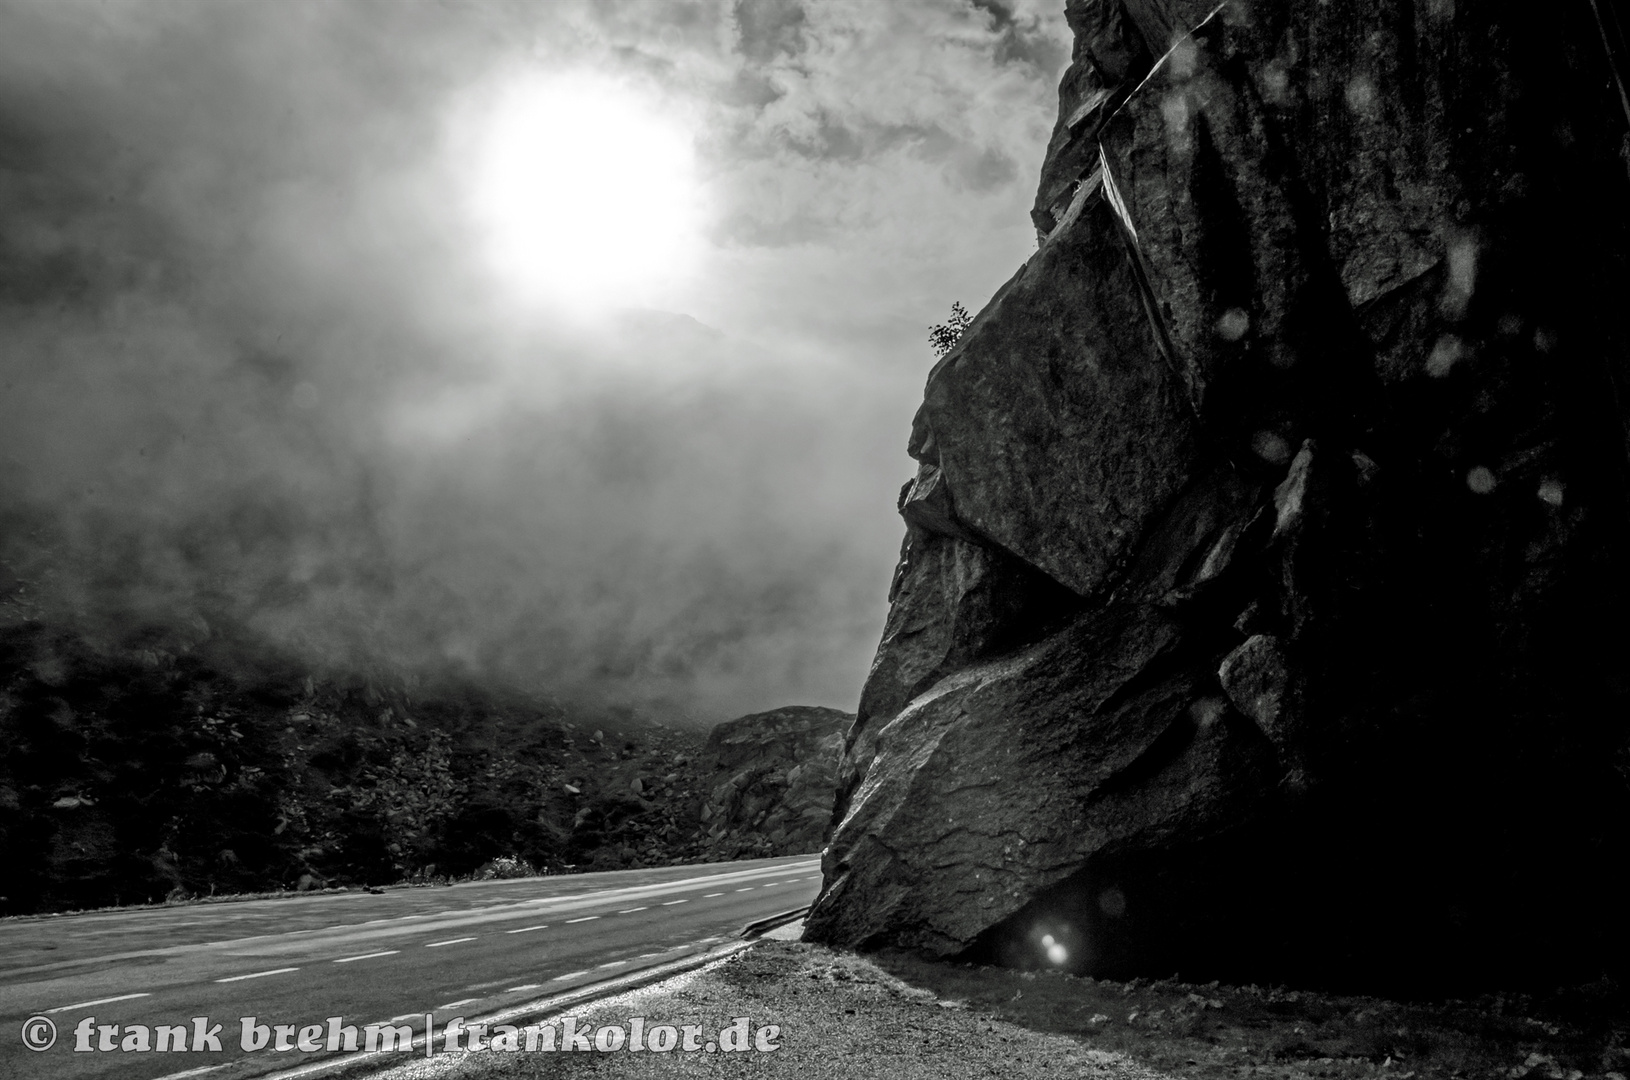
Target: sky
{"type": "Point", "coordinates": [568, 346]}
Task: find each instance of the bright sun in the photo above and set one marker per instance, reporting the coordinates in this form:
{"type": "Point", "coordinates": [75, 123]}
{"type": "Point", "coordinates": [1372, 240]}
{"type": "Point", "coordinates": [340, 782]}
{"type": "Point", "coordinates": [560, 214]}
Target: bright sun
{"type": "Point", "coordinates": [587, 193]}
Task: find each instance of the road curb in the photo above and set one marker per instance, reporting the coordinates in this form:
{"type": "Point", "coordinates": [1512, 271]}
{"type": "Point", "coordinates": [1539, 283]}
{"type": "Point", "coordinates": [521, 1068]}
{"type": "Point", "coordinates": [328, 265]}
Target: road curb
{"type": "Point", "coordinates": [364, 1063]}
{"type": "Point", "coordinates": [758, 926]}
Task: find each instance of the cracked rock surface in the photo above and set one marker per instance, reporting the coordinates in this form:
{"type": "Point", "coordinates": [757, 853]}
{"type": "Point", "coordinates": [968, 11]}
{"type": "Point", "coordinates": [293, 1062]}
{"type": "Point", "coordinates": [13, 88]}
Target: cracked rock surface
{"type": "Point", "coordinates": [1260, 613]}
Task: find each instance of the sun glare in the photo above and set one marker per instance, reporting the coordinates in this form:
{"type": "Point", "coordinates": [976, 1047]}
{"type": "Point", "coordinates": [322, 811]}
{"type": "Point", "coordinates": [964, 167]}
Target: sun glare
{"type": "Point", "coordinates": [587, 192]}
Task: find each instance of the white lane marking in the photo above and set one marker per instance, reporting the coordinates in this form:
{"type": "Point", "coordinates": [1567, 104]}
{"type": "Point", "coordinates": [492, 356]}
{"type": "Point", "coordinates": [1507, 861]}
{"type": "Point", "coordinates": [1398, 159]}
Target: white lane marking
{"type": "Point", "coordinates": [586, 918]}
{"type": "Point", "coordinates": [767, 884]}
{"type": "Point", "coordinates": [258, 974]}
{"type": "Point", "coordinates": [449, 941]}
{"type": "Point", "coordinates": [405, 1016]}
{"type": "Point", "coordinates": [98, 1001]}
{"type": "Point", "coordinates": [671, 903]}
{"type": "Point", "coordinates": [648, 955]}
{"type": "Point", "coordinates": [526, 929]}
{"type": "Point", "coordinates": [614, 963]}
{"type": "Point", "coordinates": [630, 911]}
{"type": "Point", "coordinates": [748, 889]}
{"type": "Point", "coordinates": [817, 877]}
{"type": "Point", "coordinates": [525, 986]}
{"type": "Point", "coordinates": [367, 956]}
{"type": "Point", "coordinates": [711, 895]}
{"type": "Point", "coordinates": [456, 1004]}
{"type": "Point", "coordinates": [568, 975]}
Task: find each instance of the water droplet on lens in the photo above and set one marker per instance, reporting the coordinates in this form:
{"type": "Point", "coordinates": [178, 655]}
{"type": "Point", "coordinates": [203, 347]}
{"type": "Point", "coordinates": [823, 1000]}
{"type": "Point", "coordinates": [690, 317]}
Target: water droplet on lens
{"type": "Point", "coordinates": [1270, 447]}
{"type": "Point", "coordinates": [1361, 95]}
{"type": "Point", "coordinates": [1233, 324]}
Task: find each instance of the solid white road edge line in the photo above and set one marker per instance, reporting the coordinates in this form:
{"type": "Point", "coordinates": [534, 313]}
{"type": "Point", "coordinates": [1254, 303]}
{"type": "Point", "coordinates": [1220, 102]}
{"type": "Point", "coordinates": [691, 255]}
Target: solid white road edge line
{"type": "Point", "coordinates": [98, 1001]}
{"type": "Point", "coordinates": [539, 1008]}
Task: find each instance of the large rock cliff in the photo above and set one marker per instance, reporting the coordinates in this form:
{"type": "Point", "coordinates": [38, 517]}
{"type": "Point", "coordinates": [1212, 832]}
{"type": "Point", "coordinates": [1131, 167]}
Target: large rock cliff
{"type": "Point", "coordinates": [1261, 610]}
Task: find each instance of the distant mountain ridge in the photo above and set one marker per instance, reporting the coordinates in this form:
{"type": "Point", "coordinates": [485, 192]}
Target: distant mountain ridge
{"type": "Point", "coordinates": [171, 766]}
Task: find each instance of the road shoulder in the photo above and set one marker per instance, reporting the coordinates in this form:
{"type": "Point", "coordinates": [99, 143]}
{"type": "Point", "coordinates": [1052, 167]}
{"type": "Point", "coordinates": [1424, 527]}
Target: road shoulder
{"type": "Point", "coordinates": [838, 1016]}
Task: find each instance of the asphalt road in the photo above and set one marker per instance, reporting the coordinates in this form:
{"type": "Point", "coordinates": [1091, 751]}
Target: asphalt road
{"type": "Point", "coordinates": [463, 950]}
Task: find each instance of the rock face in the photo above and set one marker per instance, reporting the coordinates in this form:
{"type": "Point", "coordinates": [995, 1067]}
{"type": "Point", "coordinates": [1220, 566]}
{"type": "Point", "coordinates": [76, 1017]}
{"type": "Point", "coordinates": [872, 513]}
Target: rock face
{"type": "Point", "coordinates": [1260, 613]}
{"type": "Point", "coordinates": [773, 779]}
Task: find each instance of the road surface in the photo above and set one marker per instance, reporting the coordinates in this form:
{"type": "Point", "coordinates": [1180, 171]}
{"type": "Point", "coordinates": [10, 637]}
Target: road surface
{"type": "Point", "coordinates": [463, 950]}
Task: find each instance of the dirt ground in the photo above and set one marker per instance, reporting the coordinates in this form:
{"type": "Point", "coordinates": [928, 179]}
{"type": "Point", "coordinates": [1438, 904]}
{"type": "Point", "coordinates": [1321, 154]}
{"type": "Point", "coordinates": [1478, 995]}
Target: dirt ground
{"type": "Point", "coordinates": [897, 1016]}
{"type": "Point", "coordinates": [1214, 1031]}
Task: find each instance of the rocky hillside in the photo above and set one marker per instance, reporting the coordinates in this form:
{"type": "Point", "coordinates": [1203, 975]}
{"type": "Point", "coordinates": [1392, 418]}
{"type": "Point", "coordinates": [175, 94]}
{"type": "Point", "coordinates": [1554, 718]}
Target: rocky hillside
{"type": "Point", "coordinates": [160, 766]}
{"type": "Point", "coordinates": [774, 777]}
{"type": "Point", "coordinates": [1260, 613]}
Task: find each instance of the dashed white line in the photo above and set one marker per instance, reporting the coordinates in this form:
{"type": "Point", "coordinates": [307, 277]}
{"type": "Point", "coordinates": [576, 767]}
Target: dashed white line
{"type": "Point", "coordinates": [748, 889]}
{"type": "Point", "coordinates": [525, 986]}
{"type": "Point", "coordinates": [671, 903]}
{"type": "Point", "coordinates": [449, 941]}
{"type": "Point", "coordinates": [568, 975]}
{"type": "Point", "coordinates": [526, 929]}
{"type": "Point", "coordinates": [630, 911]}
{"type": "Point", "coordinates": [614, 963]}
{"type": "Point", "coordinates": [456, 1004]}
{"type": "Point", "coordinates": [98, 1001]}
{"type": "Point", "coordinates": [405, 1016]}
{"type": "Point", "coordinates": [367, 956]}
{"type": "Point", "coordinates": [585, 918]}
{"type": "Point", "coordinates": [258, 974]}
{"type": "Point", "coordinates": [647, 955]}
{"type": "Point", "coordinates": [711, 895]}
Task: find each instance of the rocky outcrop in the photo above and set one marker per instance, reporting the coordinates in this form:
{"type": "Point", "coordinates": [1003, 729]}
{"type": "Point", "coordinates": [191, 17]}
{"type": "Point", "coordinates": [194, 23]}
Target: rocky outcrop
{"type": "Point", "coordinates": [1260, 610]}
{"type": "Point", "coordinates": [773, 776]}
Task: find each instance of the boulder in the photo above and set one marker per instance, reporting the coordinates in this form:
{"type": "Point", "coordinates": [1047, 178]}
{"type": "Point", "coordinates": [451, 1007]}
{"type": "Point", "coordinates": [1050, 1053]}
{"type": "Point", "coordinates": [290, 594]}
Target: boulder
{"type": "Point", "coordinates": [1260, 609]}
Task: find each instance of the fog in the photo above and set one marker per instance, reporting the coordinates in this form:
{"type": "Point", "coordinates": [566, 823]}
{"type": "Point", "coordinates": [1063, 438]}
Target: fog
{"type": "Point", "coordinates": [261, 375]}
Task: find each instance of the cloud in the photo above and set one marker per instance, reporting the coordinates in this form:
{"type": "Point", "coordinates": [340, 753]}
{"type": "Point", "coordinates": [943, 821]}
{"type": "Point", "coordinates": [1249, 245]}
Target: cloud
{"type": "Point", "coordinates": [767, 29]}
{"type": "Point", "coordinates": [258, 375]}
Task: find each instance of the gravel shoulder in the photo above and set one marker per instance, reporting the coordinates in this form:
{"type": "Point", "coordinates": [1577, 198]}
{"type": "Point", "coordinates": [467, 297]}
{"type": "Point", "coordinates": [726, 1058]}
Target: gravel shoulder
{"type": "Point", "coordinates": [838, 1016]}
{"type": "Point", "coordinates": [898, 1016]}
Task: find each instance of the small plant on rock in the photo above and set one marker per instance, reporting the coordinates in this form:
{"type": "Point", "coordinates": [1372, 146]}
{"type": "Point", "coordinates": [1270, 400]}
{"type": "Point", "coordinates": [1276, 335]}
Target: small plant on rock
{"type": "Point", "coordinates": [943, 336]}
